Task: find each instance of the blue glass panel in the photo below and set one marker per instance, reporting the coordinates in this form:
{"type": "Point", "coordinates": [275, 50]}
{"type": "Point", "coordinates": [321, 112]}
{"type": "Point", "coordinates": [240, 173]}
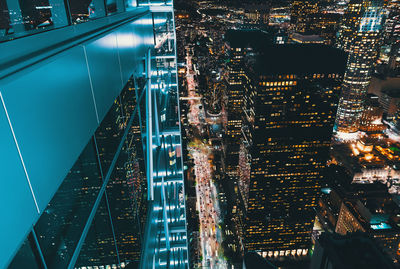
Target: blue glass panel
{"type": "Point", "coordinates": [130, 4]}
{"type": "Point", "coordinates": [127, 197]}
{"type": "Point", "coordinates": [109, 134]}
{"type": "Point", "coordinates": [102, 57]}
{"type": "Point", "coordinates": [126, 50]}
{"type": "Point", "coordinates": [27, 256]}
{"type": "Point", "coordinates": [18, 206]}
{"type": "Point", "coordinates": [99, 247]}
{"type": "Point", "coordinates": [53, 118]}
{"type": "Point", "coordinates": [61, 224]}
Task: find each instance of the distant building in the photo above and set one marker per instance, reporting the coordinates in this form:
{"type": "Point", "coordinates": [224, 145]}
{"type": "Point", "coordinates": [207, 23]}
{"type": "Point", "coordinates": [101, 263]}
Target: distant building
{"type": "Point", "coordinates": [390, 100]}
{"type": "Point", "coordinates": [256, 14]}
{"type": "Point", "coordinates": [388, 92]}
{"type": "Point", "coordinates": [302, 12]}
{"type": "Point", "coordinates": [391, 34]}
{"type": "Point", "coordinates": [326, 25]}
{"type": "Point", "coordinates": [238, 45]}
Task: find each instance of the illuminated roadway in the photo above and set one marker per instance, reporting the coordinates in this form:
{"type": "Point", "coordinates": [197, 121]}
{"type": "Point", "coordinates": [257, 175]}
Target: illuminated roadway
{"type": "Point", "coordinates": [206, 192]}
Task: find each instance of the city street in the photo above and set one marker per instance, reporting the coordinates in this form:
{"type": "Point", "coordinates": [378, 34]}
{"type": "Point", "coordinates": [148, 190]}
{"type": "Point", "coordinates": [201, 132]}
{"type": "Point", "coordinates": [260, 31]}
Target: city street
{"type": "Point", "coordinates": [206, 193]}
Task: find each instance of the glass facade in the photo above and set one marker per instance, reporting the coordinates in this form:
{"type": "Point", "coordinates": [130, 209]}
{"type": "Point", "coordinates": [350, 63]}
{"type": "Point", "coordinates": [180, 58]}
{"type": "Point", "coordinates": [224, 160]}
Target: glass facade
{"type": "Point", "coordinates": [122, 202]}
{"type": "Point", "coordinates": [61, 224]}
{"type": "Point", "coordinates": [166, 235]}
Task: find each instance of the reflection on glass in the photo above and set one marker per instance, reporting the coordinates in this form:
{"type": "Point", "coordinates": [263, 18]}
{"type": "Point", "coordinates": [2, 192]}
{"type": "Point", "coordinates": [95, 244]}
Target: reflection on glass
{"type": "Point", "coordinates": [111, 6]}
{"type": "Point", "coordinates": [130, 4]}
{"type": "Point", "coordinates": [84, 10]}
{"type": "Point", "coordinates": [61, 224]}
{"type": "Point", "coordinates": [154, 2]}
{"type": "Point", "coordinates": [36, 14]}
{"type": "Point", "coordinates": [126, 195]}
{"type": "Point", "coordinates": [4, 18]}
{"type": "Point", "coordinates": [27, 256]}
{"type": "Point", "coordinates": [99, 247]}
{"type": "Point", "coordinates": [109, 134]}
{"type": "Point", "coordinates": [22, 17]}
{"type": "Point", "coordinates": [128, 100]}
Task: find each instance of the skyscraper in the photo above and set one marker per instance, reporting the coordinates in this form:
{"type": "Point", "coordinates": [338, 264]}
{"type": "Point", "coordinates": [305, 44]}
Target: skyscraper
{"type": "Point", "coordinates": [359, 36]}
{"type": "Point", "coordinates": [238, 43]}
{"type": "Point", "coordinates": [90, 136]}
{"type": "Point", "coordinates": [290, 110]}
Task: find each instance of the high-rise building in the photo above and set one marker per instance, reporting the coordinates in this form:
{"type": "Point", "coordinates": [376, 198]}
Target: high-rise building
{"type": "Point", "coordinates": [391, 33]}
{"type": "Point", "coordinates": [289, 112]}
{"type": "Point", "coordinates": [90, 136]}
{"type": "Point", "coordinates": [238, 44]}
{"type": "Point", "coordinates": [302, 12]}
{"type": "Point", "coordinates": [235, 90]}
{"type": "Point", "coordinates": [359, 35]}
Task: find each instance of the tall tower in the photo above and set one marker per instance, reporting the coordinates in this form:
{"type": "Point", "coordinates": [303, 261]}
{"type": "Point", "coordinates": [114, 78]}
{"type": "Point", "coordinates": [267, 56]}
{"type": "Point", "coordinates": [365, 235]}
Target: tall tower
{"type": "Point", "coordinates": [360, 37]}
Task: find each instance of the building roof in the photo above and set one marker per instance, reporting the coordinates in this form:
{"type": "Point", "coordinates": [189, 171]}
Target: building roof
{"type": "Point", "coordinates": [353, 251]}
{"type": "Point", "coordinates": [253, 260]}
{"type": "Point", "coordinates": [248, 38]}
{"type": "Point", "coordinates": [394, 93]}
{"type": "Point", "coordinates": [300, 38]}
{"type": "Point", "coordinates": [300, 59]}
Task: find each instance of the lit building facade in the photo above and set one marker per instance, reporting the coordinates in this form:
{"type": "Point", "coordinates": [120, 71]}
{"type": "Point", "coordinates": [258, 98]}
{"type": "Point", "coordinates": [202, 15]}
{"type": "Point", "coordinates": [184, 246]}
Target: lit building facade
{"type": "Point", "coordinates": [91, 136]}
{"type": "Point", "coordinates": [302, 13]}
{"type": "Point", "coordinates": [235, 91]}
{"type": "Point", "coordinates": [359, 36]}
{"type": "Point", "coordinates": [289, 110]}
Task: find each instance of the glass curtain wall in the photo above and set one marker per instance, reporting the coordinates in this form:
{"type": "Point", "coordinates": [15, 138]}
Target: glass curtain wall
{"type": "Point", "coordinates": [166, 235]}
{"type": "Point", "coordinates": [97, 216]}
{"type": "Point", "coordinates": [122, 204]}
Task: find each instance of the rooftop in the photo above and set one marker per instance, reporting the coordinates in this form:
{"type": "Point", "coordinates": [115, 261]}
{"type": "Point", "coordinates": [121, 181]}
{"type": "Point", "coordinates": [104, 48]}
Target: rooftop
{"type": "Point", "coordinates": [247, 38]}
{"type": "Point", "coordinates": [253, 260]}
{"type": "Point", "coordinates": [342, 250]}
{"type": "Point", "coordinates": [300, 59]}
{"type": "Point", "coordinates": [300, 38]}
